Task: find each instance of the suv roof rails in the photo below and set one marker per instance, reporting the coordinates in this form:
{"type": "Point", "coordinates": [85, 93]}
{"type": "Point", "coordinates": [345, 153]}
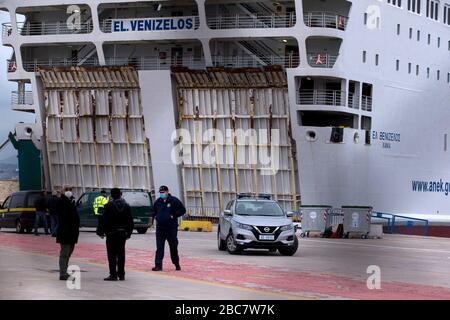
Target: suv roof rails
{"type": "Point", "coordinates": [254, 196]}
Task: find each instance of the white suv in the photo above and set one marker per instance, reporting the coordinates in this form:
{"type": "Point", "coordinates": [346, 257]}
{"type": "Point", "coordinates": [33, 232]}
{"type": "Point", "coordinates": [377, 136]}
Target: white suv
{"type": "Point", "coordinates": [250, 222]}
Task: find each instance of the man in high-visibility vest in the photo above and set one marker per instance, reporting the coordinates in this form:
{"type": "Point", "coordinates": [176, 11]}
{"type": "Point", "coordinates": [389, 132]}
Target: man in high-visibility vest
{"type": "Point", "coordinates": [99, 203]}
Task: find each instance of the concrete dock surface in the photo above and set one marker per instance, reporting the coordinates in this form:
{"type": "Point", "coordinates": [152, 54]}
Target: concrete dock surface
{"type": "Point", "coordinates": [408, 267]}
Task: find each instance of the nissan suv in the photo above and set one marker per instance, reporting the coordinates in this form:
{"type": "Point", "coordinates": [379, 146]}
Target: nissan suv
{"type": "Point", "coordinates": [257, 223]}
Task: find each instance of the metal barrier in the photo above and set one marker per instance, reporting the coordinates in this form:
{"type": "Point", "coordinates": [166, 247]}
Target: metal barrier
{"type": "Point", "coordinates": [156, 63]}
{"type": "Point", "coordinates": [241, 21]}
{"type": "Point", "coordinates": [325, 20]}
{"type": "Point", "coordinates": [289, 61]}
{"type": "Point", "coordinates": [353, 101]}
{"type": "Point", "coordinates": [366, 103]}
{"type": "Point", "coordinates": [34, 65]}
{"type": "Point", "coordinates": [321, 97]}
{"type": "Point", "coordinates": [322, 60]}
{"type": "Point", "coordinates": [40, 28]}
{"type": "Point", "coordinates": [25, 97]}
{"type": "Point", "coordinates": [392, 218]}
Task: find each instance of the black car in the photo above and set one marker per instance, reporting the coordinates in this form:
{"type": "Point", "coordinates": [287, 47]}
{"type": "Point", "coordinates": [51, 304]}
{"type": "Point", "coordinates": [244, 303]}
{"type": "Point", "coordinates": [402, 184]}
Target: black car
{"type": "Point", "coordinates": [18, 211]}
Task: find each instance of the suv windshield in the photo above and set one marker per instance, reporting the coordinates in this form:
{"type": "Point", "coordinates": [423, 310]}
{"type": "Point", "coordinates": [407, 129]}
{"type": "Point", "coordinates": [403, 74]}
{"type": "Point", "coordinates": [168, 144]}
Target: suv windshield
{"type": "Point", "coordinates": [137, 199]}
{"type": "Point", "coordinates": [258, 208]}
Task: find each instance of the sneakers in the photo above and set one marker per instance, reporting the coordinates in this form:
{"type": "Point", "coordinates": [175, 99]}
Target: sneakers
{"type": "Point", "coordinates": [110, 278]}
{"type": "Point", "coordinates": [157, 268]}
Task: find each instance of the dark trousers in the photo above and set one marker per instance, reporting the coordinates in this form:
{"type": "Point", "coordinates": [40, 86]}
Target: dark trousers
{"type": "Point", "coordinates": [64, 256]}
{"type": "Point", "coordinates": [54, 223]}
{"type": "Point", "coordinates": [41, 219]}
{"type": "Point", "coordinates": [115, 246]}
{"type": "Point", "coordinates": [171, 236]}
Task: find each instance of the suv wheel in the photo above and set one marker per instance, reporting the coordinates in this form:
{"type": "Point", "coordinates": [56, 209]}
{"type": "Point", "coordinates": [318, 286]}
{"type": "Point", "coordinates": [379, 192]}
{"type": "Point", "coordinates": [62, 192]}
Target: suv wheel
{"type": "Point", "coordinates": [221, 244]}
{"type": "Point", "coordinates": [19, 227]}
{"type": "Point", "coordinates": [291, 250]}
{"type": "Point", "coordinates": [232, 246]}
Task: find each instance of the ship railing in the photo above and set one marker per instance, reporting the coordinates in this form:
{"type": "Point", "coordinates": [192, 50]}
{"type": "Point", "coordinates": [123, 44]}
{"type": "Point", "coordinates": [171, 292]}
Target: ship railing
{"type": "Point", "coordinates": [6, 29]}
{"type": "Point", "coordinates": [353, 101]}
{"type": "Point", "coordinates": [289, 61]}
{"type": "Point", "coordinates": [22, 97]}
{"type": "Point", "coordinates": [366, 103]}
{"type": "Point", "coordinates": [34, 65]}
{"type": "Point", "coordinates": [39, 28]}
{"type": "Point", "coordinates": [321, 97]}
{"type": "Point", "coordinates": [106, 24]}
{"type": "Point", "coordinates": [156, 62]}
{"type": "Point", "coordinates": [242, 21]}
{"type": "Point", "coordinates": [322, 60]}
{"type": "Point", "coordinates": [325, 20]}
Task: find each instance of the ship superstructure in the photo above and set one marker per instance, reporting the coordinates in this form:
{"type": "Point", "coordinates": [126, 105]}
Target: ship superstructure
{"type": "Point", "coordinates": [357, 91]}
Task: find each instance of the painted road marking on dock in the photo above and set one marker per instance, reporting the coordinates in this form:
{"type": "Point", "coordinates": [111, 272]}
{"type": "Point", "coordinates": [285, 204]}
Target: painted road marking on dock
{"type": "Point", "coordinates": [263, 278]}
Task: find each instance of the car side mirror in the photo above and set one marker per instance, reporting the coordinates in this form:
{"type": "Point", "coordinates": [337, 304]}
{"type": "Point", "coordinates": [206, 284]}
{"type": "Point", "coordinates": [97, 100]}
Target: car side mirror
{"type": "Point", "coordinates": [227, 212]}
{"type": "Point", "coordinates": [290, 214]}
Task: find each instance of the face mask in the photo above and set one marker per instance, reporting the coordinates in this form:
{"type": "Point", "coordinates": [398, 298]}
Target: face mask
{"type": "Point", "coordinates": [162, 195]}
{"type": "Point", "coordinates": [68, 194]}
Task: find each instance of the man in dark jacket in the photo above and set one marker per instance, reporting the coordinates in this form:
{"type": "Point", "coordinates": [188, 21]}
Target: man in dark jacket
{"type": "Point", "coordinates": [117, 224]}
{"type": "Point", "coordinates": [53, 210]}
{"type": "Point", "coordinates": [68, 230]}
{"type": "Point", "coordinates": [41, 213]}
{"type": "Point", "coordinates": [167, 211]}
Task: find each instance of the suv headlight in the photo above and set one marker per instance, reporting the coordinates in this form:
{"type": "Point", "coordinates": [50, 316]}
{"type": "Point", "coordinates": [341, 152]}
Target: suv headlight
{"type": "Point", "coordinates": [243, 226]}
{"type": "Point", "coordinates": [288, 227]}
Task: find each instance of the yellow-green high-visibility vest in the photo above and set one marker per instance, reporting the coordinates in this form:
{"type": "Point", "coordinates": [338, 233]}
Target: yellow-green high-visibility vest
{"type": "Point", "coordinates": [99, 205]}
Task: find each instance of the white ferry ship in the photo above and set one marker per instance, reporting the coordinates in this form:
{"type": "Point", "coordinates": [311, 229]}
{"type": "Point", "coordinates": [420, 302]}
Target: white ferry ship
{"type": "Point", "coordinates": [357, 91]}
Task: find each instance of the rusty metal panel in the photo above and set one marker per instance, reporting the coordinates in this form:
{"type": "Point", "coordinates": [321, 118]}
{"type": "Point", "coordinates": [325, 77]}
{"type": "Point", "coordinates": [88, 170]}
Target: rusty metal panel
{"type": "Point", "coordinates": [95, 129]}
{"type": "Point", "coordinates": [243, 105]}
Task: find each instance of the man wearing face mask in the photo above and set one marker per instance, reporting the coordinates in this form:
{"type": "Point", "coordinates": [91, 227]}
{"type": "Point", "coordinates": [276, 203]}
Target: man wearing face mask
{"type": "Point", "coordinates": [68, 230]}
{"type": "Point", "coordinates": [167, 211]}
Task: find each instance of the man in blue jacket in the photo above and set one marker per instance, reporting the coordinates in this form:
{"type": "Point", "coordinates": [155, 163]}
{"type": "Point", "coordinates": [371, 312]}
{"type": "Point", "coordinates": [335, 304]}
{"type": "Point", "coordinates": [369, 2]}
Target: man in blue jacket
{"type": "Point", "coordinates": [167, 211]}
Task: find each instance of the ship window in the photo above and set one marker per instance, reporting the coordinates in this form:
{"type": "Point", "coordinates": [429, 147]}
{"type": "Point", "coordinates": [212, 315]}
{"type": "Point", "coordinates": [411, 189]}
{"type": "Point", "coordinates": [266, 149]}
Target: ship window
{"type": "Point", "coordinates": [414, 6]}
{"type": "Point", "coordinates": [364, 56]}
{"type": "Point", "coordinates": [397, 3]}
{"type": "Point", "coordinates": [418, 35]}
{"type": "Point", "coordinates": [432, 11]}
{"type": "Point", "coordinates": [445, 142]}
{"type": "Point", "coordinates": [397, 65]}
{"type": "Point", "coordinates": [438, 74]}
{"type": "Point", "coordinates": [398, 29]}
{"type": "Point", "coordinates": [428, 73]}
{"type": "Point", "coordinates": [447, 14]}
{"type": "Point", "coordinates": [439, 42]}
{"type": "Point", "coordinates": [365, 18]}
{"type": "Point", "coordinates": [448, 77]}
{"type": "Point", "coordinates": [410, 33]}
{"type": "Point", "coordinates": [409, 67]}
{"type": "Point", "coordinates": [429, 38]}
{"type": "Point", "coordinates": [417, 70]}
{"type": "Point", "coordinates": [377, 58]}
{"type": "Point", "coordinates": [326, 119]}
